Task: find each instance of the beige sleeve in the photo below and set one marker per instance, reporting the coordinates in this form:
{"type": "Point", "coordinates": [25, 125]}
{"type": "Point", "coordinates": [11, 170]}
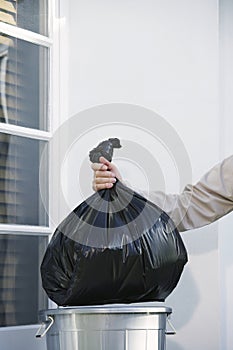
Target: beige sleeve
{"type": "Point", "coordinates": [203, 203]}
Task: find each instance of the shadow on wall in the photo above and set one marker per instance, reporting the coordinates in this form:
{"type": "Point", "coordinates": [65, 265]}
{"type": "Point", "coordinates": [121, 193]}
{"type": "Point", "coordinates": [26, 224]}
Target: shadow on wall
{"type": "Point", "coordinates": [184, 300]}
{"type": "Point", "coordinates": [174, 346]}
{"type": "Point", "coordinates": [226, 285]}
{"type": "Point", "coordinates": [201, 241]}
{"type": "Point", "coordinates": [186, 297]}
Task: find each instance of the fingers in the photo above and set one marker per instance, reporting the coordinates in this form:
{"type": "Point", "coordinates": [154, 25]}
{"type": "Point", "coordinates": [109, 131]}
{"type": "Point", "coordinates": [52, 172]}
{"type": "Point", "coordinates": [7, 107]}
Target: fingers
{"type": "Point", "coordinates": [102, 186]}
{"type": "Point", "coordinates": [100, 171]}
{"type": "Point", "coordinates": [105, 174]}
{"type": "Point", "coordinates": [111, 167]}
{"type": "Point", "coordinates": [103, 180]}
{"type": "Point", "coordinates": [103, 170]}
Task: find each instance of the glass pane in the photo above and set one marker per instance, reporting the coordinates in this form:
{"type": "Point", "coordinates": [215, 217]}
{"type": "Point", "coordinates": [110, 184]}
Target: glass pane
{"type": "Point", "coordinates": [21, 294]}
{"type": "Point", "coordinates": [27, 14]}
{"type": "Point", "coordinates": [23, 83]}
{"type": "Point", "coordinates": [20, 201]}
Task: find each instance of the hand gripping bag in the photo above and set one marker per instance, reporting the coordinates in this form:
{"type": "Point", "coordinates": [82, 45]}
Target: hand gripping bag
{"type": "Point", "coordinates": [115, 247]}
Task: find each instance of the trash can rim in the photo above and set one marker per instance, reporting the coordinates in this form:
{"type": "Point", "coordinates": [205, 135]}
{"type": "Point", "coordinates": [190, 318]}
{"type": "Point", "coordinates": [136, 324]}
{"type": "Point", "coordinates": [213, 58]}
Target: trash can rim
{"type": "Point", "coordinates": [108, 309]}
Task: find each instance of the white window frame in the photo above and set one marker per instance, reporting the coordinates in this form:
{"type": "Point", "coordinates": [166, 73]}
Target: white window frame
{"type": "Point", "coordinates": [53, 95]}
{"type": "Point", "coordinates": [16, 130]}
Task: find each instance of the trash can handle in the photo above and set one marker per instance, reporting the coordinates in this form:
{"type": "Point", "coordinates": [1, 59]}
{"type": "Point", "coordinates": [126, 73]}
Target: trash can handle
{"type": "Point", "coordinates": [172, 331]}
{"type": "Point", "coordinates": [45, 326]}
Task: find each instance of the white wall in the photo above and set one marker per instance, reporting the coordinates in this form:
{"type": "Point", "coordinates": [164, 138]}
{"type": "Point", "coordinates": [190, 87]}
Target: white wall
{"type": "Point", "coordinates": [226, 143]}
{"type": "Point", "coordinates": [21, 338]}
{"type": "Point", "coordinates": [162, 56]}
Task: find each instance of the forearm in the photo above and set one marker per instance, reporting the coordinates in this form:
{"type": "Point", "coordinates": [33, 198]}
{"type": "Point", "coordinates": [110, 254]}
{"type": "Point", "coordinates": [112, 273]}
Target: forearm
{"type": "Point", "coordinates": [199, 205]}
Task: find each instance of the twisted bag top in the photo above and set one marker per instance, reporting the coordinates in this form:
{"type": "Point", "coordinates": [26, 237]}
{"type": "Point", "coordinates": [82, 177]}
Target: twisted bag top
{"type": "Point", "coordinates": [115, 247]}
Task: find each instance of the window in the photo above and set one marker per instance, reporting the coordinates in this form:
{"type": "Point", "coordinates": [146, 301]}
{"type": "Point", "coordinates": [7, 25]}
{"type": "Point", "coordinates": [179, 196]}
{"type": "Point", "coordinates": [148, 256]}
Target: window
{"type": "Point", "coordinates": [25, 48]}
{"type": "Point", "coordinates": [27, 14]}
{"type": "Point", "coordinates": [20, 279]}
{"type": "Point", "coordinates": [19, 181]}
{"type": "Point", "coordinates": [24, 89]}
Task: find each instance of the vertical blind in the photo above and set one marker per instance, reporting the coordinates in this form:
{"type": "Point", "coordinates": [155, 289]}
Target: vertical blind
{"type": "Point", "coordinates": [23, 103]}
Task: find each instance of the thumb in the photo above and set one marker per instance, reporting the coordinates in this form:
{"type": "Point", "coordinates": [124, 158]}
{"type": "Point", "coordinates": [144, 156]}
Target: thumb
{"type": "Point", "coordinates": [112, 167]}
{"type": "Point", "coordinates": [105, 162]}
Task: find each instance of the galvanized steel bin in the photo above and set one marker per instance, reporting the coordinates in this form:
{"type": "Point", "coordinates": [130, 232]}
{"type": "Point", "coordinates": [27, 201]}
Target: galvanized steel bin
{"type": "Point", "coordinates": [105, 328]}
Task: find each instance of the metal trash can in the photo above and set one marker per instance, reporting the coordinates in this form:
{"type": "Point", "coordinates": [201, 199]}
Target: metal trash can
{"type": "Point", "coordinates": [105, 328]}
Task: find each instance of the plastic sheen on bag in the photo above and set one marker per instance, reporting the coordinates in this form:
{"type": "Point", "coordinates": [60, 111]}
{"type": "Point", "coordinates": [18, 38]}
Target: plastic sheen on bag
{"type": "Point", "coordinates": [115, 247]}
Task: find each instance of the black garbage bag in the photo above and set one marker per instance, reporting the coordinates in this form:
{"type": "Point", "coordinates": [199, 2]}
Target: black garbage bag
{"type": "Point", "coordinates": [115, 247]}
